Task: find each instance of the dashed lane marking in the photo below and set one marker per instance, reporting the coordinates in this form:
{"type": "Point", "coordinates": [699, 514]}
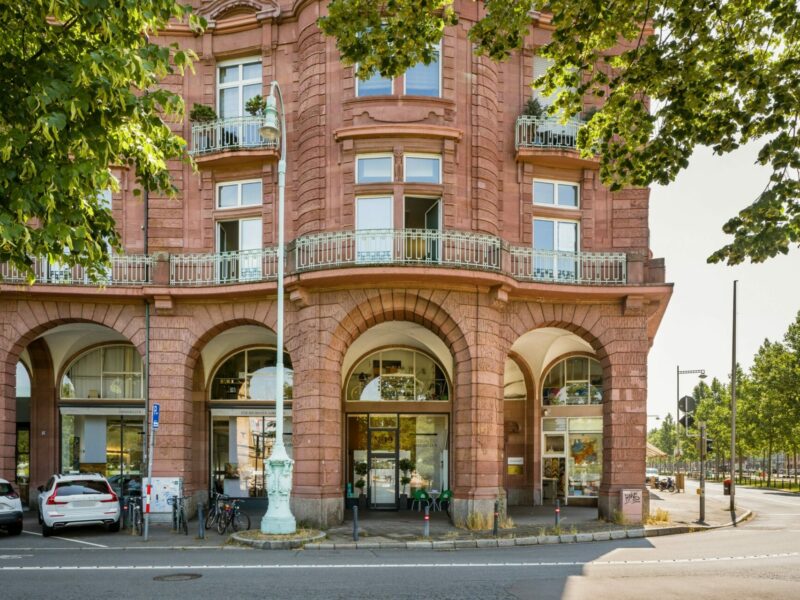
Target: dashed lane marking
{"type": "Point", "coordinates": [440, 565]}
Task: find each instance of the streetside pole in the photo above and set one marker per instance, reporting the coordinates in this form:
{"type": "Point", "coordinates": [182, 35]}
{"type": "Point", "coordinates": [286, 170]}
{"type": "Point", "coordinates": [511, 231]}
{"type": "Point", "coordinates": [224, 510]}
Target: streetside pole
{"type": "Point", "coordinates": [702, 472]}
{"type": "Point", "coordinates": [677, 424]}
{"type": "Point", "coordinates": [149, 431]}
{"type": "Point", "coordinates": [733, 406]}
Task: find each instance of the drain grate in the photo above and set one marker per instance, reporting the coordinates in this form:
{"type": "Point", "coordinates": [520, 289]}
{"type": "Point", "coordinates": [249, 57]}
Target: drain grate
{"type": "Point", "coordinates": [178, 577]}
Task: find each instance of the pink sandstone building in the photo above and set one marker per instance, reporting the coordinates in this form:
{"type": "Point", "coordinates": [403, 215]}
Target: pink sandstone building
{"type": "Point", "coordinates": [468, 308]}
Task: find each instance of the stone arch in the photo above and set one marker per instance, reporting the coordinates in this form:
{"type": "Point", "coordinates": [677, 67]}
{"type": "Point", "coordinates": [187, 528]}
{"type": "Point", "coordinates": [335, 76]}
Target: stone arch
{"type": "Point", "coordinates": [219, 8]}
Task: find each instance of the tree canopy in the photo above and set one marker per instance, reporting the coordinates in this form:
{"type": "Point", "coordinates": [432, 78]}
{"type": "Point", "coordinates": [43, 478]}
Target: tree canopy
{"type": "Point", "coordinates": [81, 95]}
{"type": "Point", "coordinates": [717, 73]}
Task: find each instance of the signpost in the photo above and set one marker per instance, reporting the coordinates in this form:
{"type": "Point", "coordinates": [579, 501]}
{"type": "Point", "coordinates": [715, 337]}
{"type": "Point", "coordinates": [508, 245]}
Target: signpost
{"type": "Point", "coordinates": [153, 429]}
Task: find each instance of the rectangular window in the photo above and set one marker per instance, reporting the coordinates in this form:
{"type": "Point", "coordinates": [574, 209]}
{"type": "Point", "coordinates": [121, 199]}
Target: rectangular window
{"type": "Point", "coordinates": [239, 193]}
{"type": "Point", "coordinates": [552, 193]}
{"type": "Point", "coordinates": [374, 168]}
{"type": "Point", "coordinates": [540, 66]}
{"type": "Point", "coordinates": [374, 86]}
{"type": "Point", "coordinates": [374, 221]}
{"type": "Point", "coordinates": [425, 80]}
{"type": "Point", "coordinates": [555, 247]}
{"type": "Point", "coordinates": [423, 168]}
{"type": "Point", "coordinates": [237, 82]}
{"type": "Point", "coordinates": [239, 242]}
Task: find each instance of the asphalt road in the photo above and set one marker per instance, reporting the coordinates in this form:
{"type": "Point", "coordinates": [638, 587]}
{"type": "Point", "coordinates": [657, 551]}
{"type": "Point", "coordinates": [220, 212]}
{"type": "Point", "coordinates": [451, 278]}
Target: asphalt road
{"type": "Point", "coordinates": [759, 559]}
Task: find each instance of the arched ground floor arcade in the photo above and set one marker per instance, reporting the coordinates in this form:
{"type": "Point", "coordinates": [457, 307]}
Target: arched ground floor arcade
{"type": "Point", "coordinates": [389, 392]}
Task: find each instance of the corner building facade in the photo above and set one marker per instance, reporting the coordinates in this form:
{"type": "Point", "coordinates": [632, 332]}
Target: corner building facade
{"type": "Point", "coordinates": [468, 308]}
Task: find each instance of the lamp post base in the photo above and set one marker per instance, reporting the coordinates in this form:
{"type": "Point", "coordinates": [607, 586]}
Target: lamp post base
{"type": "Point", "coordinates": [279, 518]}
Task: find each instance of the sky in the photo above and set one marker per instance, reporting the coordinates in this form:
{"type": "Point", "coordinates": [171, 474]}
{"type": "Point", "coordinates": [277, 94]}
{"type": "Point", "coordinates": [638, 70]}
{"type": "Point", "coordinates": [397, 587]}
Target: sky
{"type": "Point", "coordinates": [686, 219]}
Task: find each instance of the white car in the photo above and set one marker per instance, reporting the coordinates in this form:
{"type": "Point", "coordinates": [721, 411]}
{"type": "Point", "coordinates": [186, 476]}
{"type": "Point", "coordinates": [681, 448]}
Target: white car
{"type": "Point", "coordinates": [650, 472]}
{"type": "Point", "coordinates": [84, 499]}
{"type": "Point", "coordinates": [10, 509]}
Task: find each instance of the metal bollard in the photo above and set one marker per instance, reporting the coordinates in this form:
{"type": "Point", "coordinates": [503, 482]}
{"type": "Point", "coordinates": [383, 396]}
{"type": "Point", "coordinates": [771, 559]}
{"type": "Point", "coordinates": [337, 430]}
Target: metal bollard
{"type": "Point", "coordinates": [174, 516]}
{"type": "Point", "coordinates": [201, 521]}
{"type": "Point", "coordinates": [558, 511]}
{"type": "Point", "coordinates": [123, 512]}
{"type": "Point", "coordinates": [355, 523]}
{"type": "Point", "coordinates": [496, 521]}
{"type": "Point", "coordinates": [426, 528]}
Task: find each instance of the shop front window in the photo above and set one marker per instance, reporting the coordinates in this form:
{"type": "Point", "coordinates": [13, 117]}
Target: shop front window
{"type": "Point", "coordinates": [240, 446]}
{"type": "Point", "coordinates": [572, 457]}
{"type": "Point", "coordinates": [250, 375]}
{"type": "Point", "coordinates": [574, 381]}
{"type": "Point", "coordinates": [398, 375]}
{"type": "Point", "coordinates": [107, 373]}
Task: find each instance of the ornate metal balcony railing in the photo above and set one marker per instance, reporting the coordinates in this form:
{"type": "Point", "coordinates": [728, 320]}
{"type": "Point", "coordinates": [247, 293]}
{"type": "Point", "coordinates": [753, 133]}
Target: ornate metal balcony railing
{"type": "Point", "coordinates": [427, 247]}
{"type": "Point", "coordinates": [229, 134]}
{"type": "Point", "coordinates": [125, 269]}
{"type": "Point", "coordinates": [224, 267]}
{"type": "Point", "coordinates": [583, 268]}
{"type": "Point", "coordinates": [546, 132]}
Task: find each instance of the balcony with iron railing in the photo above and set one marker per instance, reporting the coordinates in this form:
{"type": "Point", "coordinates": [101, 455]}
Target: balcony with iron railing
{"type": "Point", "coordinates": [224, 140]}
{"type": "Point", "coordinates": [456, 250]}
{"type": "Point", "coordinates": [125, 270]}
{"type": "Point", "coordinates": [549, 141]}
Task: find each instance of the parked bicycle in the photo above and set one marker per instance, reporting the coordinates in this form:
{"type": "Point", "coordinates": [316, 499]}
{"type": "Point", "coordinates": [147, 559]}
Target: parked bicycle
{"type": "Point", "coordinates": [179, 520]}
{"type": "Point", "coordinates": [215, 506]}
{"type": "Point", "coordinates": [232, 517]}
{"type": "Point", "coordinates": [136, 516]}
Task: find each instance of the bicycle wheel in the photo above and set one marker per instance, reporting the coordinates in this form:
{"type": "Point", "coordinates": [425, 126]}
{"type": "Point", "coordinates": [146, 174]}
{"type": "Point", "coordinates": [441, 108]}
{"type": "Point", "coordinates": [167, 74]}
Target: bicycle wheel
{"type": "Point", "coordinates": [240, 522]}
{"type": "Point", "coordinates": [222, 523]}
{"type": "Point", "coordinates": [137, 522]}
{"type": "Point", "coordinates": [212, 517]}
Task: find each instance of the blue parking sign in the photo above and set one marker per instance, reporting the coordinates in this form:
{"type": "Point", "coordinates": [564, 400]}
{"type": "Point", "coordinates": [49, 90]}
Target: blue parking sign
{"type": "Point", "coordinates": [156, 414]}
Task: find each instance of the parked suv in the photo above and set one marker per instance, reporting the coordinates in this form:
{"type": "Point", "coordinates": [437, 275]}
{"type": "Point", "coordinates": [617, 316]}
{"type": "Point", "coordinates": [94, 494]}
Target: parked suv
{"type": "Point", "coordinates": [10, 509]}
{"type": "Point", "coordinates": [83, 499]}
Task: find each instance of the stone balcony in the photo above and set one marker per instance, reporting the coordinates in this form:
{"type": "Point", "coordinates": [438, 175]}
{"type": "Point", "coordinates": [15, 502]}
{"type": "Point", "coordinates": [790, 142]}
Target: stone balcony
{"type": "Point", "coordinates": [230, 140]}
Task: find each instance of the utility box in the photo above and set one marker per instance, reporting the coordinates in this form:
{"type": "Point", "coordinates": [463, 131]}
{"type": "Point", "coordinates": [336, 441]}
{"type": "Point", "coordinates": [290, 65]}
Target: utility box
{"type": "Point", "coordinates": [726, 487]}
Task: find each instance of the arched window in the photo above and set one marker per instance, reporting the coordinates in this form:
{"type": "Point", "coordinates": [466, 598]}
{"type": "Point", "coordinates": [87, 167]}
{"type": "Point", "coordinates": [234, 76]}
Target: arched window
{"type": "Point", "coordinates": [397, 375]}
{"type": "Point", "coordinates": [105, 373]}
{"type": "Point", "coordinates": [250, 375]}
{"type": "Point", "coordinates": [576, 380]}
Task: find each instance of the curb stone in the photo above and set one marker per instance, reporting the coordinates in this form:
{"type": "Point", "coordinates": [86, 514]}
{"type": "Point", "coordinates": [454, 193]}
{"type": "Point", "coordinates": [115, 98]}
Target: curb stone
{"type": "Point", "coordinates": [277, 544]}
{"type": "Point", "coordinates": [566, 538]}
{"type": "Point", "coordinates": [618, 534]}
{"type": "Point", "coordinates": [584, 537]}
{"type": "Point", "coordinates": [530, 540]}
{"type": "Point", "coordinates": [601, 536]}
{"type": "Point", "coordinates": [484, 543]}
{"type": "Point", "coordinates": [465, 544]}
{"type": "Point", "coordinates": [635, 533]}
{"type": "Point", "coordinates": [505, 542]}
{"type": "Point", "coordinates": [446, 544]}
{"type": "Point", "coordinates": [549, 539]}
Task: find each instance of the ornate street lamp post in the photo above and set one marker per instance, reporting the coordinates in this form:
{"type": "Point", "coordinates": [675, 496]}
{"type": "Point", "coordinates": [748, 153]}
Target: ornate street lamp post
{"type": "Point", "coordinates": [279, 517]}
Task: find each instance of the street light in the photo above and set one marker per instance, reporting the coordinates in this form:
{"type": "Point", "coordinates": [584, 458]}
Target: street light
{"type": "Point", "coordinates": [279, 517]}
{"type": "Point", "coordinates": [701, 373]}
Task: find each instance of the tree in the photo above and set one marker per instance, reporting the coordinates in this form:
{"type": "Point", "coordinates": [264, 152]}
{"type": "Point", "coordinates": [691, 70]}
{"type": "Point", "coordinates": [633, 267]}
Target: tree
{"type": "Point", "coordinates": [80, 94]}
{"type": "Point", "coordinates": [717, 74]}
{"type": "Point", "coordinates": [663, 437]}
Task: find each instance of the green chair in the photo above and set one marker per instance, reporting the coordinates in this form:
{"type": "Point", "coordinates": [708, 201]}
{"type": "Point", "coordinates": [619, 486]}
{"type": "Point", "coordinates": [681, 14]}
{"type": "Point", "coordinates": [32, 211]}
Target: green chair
{"type": "Point", "coordinates": [445, 496]}
{"type": "Point", "coordinates": [420, 498]}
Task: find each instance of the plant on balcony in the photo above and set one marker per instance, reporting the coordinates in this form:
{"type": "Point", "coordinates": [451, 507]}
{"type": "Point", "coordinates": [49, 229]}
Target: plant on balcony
{"type": "Point", "coordinates": [202, 113]}
{"type": "Point", "coordinates": [589, 113]}
{"type": "Point", "coordinates": [534, 108]}
{"type": "Point", "coordinates": [256, 106]}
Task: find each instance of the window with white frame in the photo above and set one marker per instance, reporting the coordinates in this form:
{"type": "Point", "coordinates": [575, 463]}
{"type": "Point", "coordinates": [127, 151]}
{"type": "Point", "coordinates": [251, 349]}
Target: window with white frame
{"type": "Point", "coordinates": [374, 168]}
{"type": "Point", "coordinates": [425, 80]}
{"type": "Point", "coordinates": [376, 85]}
{"type": "Point", "coordinates": [540, 66]}
{"type": "Point", "coordinates": [555, 193]}
{"type": "Point", "coordinates": [237, 82]}
{"type": "Point", "coordinates": [555, 235]}
{"type": "Point", "coordinates": [422, 168]}
{"type": "Point", "coordinates": [236, 194]}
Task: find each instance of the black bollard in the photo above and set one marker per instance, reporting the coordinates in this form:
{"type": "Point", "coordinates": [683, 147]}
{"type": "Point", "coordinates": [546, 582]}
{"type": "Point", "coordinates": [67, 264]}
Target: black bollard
{"type": "Point", "coordinates": [355, 522]}
{"type": "Point", "coordinates": [558, 512]}
{"type": "Point", "coordinates": [201, 521]}
{"type": "Point", "coordinates": [123, 513]}
{"type": "Point", "coordinates": [426, 528]}
{"type": "Point", "coordinates": [174, 516]}
{"type": "Point", "coordinates": [496, 521]}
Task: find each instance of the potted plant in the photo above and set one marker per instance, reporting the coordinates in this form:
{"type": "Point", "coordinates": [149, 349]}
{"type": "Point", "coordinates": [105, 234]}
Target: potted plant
{"type": "Point", "coordinates": [256, 105]}
{"type": "Point", "coordinates": [361, 470]}
{"type": "Point", "coordinates": [534, 108]}
{"type": "Point", "coordinates": [200, 114]}
{"type": "Point", "coordinates": [406, 465]}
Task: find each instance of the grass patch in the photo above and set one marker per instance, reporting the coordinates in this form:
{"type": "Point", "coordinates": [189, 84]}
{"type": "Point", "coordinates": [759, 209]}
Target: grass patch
{"type": "Point", "coordinates": [660, 517]}
{"type": "Point", "coordinates": [255, 534]}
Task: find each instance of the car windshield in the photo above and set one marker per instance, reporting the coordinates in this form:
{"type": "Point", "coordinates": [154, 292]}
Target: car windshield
{"type": "Point", "coordinates": [6, 489]}
{"type": "Point", "coordinates": [82, 487]}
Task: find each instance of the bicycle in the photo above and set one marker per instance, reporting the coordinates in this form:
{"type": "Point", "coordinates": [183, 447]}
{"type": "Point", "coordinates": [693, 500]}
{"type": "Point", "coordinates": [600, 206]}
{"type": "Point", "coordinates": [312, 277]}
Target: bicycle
{"type": "Point", "coordinates": [179, 522]}
{"type": "Point", "coordinates": [135, 508]}
{"type": "Point", "coordinates": [215, 509]}
{"type": "Point", "coordinates": [232, 517]}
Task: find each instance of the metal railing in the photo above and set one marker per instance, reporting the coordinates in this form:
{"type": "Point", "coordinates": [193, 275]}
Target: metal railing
{"type": "Point", "coordinates": [229, 134]}
{"type": "Point", "coordinates": [546, 132]}
{"type": "Point", "coordinates": [427, 247]}
{"type": "Point", "coordinates": [223, 267]}
{"type": "Point", "coordinates": [125, 269]}
{"type": "Point", "coordinates": [584, 268]}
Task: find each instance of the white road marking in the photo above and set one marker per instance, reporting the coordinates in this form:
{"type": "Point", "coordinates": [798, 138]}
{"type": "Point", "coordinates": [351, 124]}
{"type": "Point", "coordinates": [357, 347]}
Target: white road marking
{"type": "Point", "coordinates": [55, 537]}
{"type": "Point", "coordinates": [454, 565]}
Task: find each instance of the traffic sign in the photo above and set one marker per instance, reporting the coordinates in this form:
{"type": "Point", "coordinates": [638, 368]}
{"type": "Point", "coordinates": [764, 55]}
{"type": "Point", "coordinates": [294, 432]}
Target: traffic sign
{"type": "Point", "coordinates": [687, 404]}
{"type": "Point", "coordinates": [156, 414]}
{"type": "Point", "coordinates": [686, 421]}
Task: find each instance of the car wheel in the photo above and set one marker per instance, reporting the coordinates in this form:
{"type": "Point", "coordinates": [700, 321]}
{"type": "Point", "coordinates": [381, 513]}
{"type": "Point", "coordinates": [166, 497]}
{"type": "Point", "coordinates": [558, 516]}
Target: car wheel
{"type": "Point", "coordinates": [47, 531]}
{"type": "Point", "coordinates": [15, 529]}
{"type": "Point", "coordinates": [114, 527]}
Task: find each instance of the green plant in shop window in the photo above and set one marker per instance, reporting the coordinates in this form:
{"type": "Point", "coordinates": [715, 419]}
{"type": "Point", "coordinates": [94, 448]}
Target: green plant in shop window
{"type": "Point", "coordinates": [361, 470]}
{"type": "Point", "coordinates": [406, 466]}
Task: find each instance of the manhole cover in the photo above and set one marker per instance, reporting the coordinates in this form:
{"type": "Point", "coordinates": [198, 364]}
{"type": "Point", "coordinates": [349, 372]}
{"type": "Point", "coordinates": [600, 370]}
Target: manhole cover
{"type": "Point", "coordinates": [178, 577]}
